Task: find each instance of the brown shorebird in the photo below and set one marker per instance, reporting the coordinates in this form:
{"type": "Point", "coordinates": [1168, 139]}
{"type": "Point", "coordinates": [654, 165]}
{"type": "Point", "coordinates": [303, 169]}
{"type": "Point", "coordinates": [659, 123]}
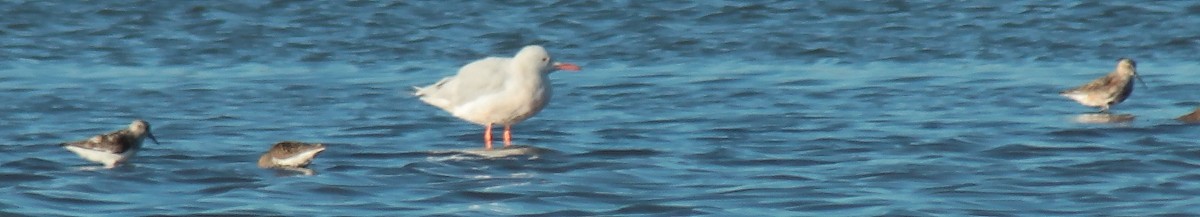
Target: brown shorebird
{"type": "Point", "coordinates": [113, 148]}
{"type": "Point", "coordinates": [1109, 90]}
{"type": "Point", "coordinates": [290, 155]}
{"type": "Point", "coordinates": [497, 90]}
{"type": "Point", "coordinates": [1193, 117]}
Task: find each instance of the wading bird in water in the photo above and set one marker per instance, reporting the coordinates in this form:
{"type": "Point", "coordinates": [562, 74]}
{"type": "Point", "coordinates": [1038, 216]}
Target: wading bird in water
{"type": "Point", "coordinates": [497, 90]}
{"type": "Point", "coordinates": [289, 155]}
{"type": "Point", "coordinates": [113, 148]}
{"type": "Point", "coordinates": [1104, 92]}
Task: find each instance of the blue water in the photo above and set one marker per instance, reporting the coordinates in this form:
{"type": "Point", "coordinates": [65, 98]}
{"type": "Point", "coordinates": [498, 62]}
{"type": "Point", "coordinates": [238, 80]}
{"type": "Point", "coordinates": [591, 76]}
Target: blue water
{"type": "Point", "coordinates": [747, 108]}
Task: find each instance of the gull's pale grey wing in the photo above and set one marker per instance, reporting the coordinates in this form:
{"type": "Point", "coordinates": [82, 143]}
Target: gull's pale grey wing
{"type": "Point", "coordinates": [429, 94]}
{"type": "Point", "coordinates": [115, 142]}
{"type": "Point", "coordinates": [479, 78]}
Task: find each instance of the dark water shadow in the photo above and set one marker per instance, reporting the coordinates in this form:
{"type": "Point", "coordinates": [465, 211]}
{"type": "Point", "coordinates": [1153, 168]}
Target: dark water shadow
{"type": "Point", "coordinates": [292, 171]}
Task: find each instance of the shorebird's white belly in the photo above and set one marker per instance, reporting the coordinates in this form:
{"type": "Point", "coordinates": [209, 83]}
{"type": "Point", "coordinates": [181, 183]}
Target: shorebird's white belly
{"type": "Point", "coordinates": [297, 160]}
{"type": "Point", "coordinates": [1085, 98]}
{"type": "Point", "coordinates": [100, 156]}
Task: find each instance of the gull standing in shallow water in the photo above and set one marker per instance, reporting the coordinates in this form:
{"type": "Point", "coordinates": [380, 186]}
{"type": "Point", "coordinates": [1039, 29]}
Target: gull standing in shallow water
{"type": "Point", "coordinates": [115, 147]}
{"type": "Point", "coordinates": [1109, 90]}
{"type": "Point", "coordinates": [497, 90]}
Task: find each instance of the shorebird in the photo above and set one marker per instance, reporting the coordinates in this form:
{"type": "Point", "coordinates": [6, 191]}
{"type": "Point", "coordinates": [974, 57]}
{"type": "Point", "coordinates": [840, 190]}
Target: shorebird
{"type": "Point", "coordinates": [1109, 90]}
{"type": "Point", "coordinates": [113, 148]}
{"type": "Point", "coordinates": [289, 154]}
{"type": "Point", "coordinates": [1193, 117]}
{"type": "Point", "coordinates": [497, 90]}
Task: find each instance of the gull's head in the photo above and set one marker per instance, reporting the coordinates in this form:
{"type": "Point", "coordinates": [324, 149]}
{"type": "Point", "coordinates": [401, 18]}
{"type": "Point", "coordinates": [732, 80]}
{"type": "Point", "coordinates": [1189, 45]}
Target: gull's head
{"type": "Point", "coordinates": [540, 58]}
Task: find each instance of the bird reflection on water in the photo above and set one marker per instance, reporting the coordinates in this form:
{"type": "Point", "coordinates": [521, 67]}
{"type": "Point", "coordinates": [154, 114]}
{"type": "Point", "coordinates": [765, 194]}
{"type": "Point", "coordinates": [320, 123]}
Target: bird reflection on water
{"type": "Point", "coordinates": [1103, 118]}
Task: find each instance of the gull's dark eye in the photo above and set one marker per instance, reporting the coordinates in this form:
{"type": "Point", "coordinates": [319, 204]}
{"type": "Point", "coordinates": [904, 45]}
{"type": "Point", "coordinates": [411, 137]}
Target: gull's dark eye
{"type": "Point", "coordinates": [544, 59]}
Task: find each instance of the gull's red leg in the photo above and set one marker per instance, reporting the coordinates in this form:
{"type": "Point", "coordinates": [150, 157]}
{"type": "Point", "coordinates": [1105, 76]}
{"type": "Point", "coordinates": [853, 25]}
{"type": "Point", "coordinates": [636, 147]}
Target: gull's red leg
{"type": "Point", "coordinates": [487, 137]}
{"type": "Point", "coordinates": [507, 135]}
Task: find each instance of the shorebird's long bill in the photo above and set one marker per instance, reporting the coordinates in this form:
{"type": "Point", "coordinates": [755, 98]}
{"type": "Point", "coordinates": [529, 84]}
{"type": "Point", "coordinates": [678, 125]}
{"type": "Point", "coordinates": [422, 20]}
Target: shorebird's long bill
{"type": "Point", "coordinates": [1139, 78]}
{"type": "Point", "coordinates": [151, 135]}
